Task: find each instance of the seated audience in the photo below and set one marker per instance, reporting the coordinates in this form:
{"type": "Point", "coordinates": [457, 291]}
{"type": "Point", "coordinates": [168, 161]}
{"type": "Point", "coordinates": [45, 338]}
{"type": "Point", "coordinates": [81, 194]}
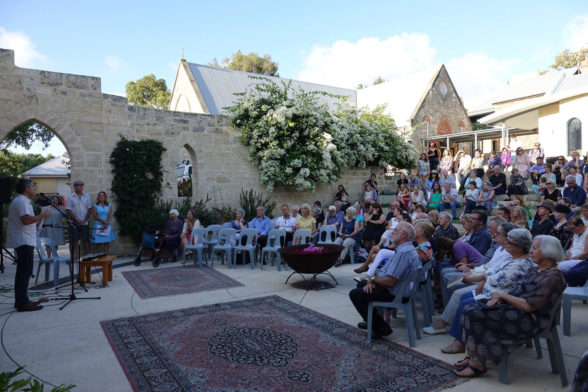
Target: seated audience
{"type": "Point", "coordinates": [384, 286]}
{"type": "Point", "coordinates": [417, 196]}
{"type": "Point", "coordinates": [445, 228]}
{"type": "Point", "coordinates": [306, 222]}
{"type": "Point", "coordinates": [342, 196]}
{"type": "Point", "coordinates": [527, 307]}
{"type": "Point", "coordinates": [435, 197]}
{"type": "Point", "coordinates": [498, 180]}
{"type": "Point", "coordinates": [446, 178]}
{"type": "Point", "coordinates": [517, 184]}
{"type": "Point", "coordinates": [375, 225]}
{"type": "Point", "coordinates": [262, 224]}
{"type": "Point", "coordinates": [404, 197]}
{"type": "Point", "coordinates": [578, 250]}
{"type": "Point", "coordinates": [348, 234]}
{"type": "Point", "coordinates": [286, 223]}
{"type": "Point", "coordinates": [560, 230]}
{"type": "Point", "coordinates": [471, 196]}
{"type": "Point", "coordinates": [332, 218]}
{"type": "Point", "coordinates": [518, 216]}
{"type": "Point", "coordinates": [576, 194]}
{"type": "Point", "coordinates": [542, 224]}
{"type": "Point", "coordinates": [431, 181]}
{"type": "Point", "coordinates": [449, 199]}
{"type": "Point", "coordinates": [480, 238]}
{"type": "Point", "coordinates": [369, 194]}
{"type": "Point", "coordinates": [466, 223]}
{"type": "Point", "coordinates": [486, 198]}
{"type": "Point", "coordinates": [434, 217]}
{"type": "Point", "coordinates": [550, 192]}
{"type": "Point", "coordinates": [504, 213]}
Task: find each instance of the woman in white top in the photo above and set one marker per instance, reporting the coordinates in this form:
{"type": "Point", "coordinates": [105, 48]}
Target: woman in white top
{"type": "Point", "coordinates": [417, 196]}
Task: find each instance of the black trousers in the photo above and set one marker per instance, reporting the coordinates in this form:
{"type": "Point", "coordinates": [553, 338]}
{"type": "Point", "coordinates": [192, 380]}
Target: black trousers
{"type": "Point", "coordinates": [24, 270]}
{"type": "Point", "coordinates": [361, 301]}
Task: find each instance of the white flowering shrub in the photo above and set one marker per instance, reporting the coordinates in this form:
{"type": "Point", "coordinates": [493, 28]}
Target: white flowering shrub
{"type": "Point", "coordinates": [296, 142]}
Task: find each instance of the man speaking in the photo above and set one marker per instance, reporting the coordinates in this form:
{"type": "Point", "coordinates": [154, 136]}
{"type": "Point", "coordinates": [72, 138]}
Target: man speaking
{"type": "Point", "coordinates": [22, 236]}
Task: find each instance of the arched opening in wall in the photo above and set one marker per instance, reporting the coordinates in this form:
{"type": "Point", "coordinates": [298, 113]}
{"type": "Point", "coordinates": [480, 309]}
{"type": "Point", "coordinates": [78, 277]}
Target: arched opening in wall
{"type": "Point", "coordinates": [461, 126]}
{"type": "Point", "coordinates": [32, 149]}
{"type": "Point", "coordinates": [185, 174]}
{"type": "Point", "coordinates": [427, 124]}
{"type": "Point", "coordinates": [574, 135]}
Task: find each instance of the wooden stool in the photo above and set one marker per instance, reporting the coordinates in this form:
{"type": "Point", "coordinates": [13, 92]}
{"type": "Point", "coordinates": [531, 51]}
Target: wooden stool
{"type": "Point", "coordinates": [105, 262]}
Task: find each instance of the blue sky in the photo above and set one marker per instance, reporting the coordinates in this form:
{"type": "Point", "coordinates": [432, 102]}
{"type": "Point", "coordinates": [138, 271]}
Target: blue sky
{"type": "Point", "coordinates": [342, 43]}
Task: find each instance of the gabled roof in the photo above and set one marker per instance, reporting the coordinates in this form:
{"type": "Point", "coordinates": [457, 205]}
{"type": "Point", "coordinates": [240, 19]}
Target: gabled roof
{"type": "Point", "coordinates": [56, 167]}
{"type": "Point", "coordinates": [217, 86]}
{"type": "Point", "coordinates": [401, 95]}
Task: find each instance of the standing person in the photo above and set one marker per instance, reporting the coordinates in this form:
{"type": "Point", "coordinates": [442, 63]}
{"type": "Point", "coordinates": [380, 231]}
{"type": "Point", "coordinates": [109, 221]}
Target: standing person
{"type": "Point", "coordinates": [53, 225]}
{"type": "Point", "coordinates": [505, 158]}
{"type": "Point", "coordinates": [102, 234]}
{"type": "Point", "coordinates": [22, 236]}
{"type": "Point", "coordinates": [433, 155]}
{"type": "Point", "coordinates": [515, 144]}
{"type": "Point", "coordinates": [446, 161]}
{"type": "Point", "coordinates": [463, 168]}
{"type": "Point", "coordinates": [536, 152]}
{"type": "Point", "coordinates": [79, 207]}
{"type": "Point", "coordinates": [423, 170]}
{"type": "Point", "coordinates": [521, 161]}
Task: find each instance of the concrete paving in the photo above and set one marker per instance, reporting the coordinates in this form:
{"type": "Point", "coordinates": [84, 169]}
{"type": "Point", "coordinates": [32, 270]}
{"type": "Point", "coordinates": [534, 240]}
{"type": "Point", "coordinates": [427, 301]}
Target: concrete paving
{"type": "Point", "coordinates": [69, 346]}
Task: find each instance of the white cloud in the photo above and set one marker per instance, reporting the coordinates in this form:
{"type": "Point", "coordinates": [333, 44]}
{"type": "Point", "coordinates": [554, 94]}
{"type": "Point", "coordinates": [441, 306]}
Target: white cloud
{"type": "Point", "coordinates": [25, 51]}
{"type": "Point", "coordinates": [346, 64]}
{"type": "Point", "coordinates": [575, 33]}
{"type": "Point", "coordinates": [113, 63]}
{"type": "Point", "coordinates": [476, 75]}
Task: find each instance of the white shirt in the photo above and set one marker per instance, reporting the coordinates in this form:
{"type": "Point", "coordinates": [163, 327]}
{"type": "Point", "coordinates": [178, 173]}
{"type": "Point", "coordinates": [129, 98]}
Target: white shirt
{"type": "Point", "coordinates": [287, 224]}
{"type": "Point", "coordinates": [514, 144]}
{"type": "Point", "coordinates": [500, 256]}
{"type": "Point", "coordinates": [19, 234]}
{"type": "Point", "coordinates": [79, 206]}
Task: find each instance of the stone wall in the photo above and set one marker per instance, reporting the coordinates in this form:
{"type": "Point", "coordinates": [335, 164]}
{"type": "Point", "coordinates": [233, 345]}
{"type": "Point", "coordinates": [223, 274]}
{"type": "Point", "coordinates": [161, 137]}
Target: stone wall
{"type": "Point", "coordinates": [443, 111]}
{"type": "Point", "coordinates": [90, 123]}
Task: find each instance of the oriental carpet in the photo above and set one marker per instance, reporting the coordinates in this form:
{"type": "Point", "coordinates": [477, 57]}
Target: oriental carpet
{"type": "Point", "coordinates": [264, 344]}
{"type": "Point", "coordinates": [158, 282]}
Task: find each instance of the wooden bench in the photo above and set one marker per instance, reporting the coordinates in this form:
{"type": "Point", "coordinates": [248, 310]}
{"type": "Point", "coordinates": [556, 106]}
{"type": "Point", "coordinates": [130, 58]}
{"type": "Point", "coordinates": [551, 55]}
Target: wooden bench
{"type": "Point", "coordinates": [105, 262]}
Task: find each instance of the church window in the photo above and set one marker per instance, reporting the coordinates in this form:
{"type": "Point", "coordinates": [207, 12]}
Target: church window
{"type": "Point", "coordinates": [574, 135]}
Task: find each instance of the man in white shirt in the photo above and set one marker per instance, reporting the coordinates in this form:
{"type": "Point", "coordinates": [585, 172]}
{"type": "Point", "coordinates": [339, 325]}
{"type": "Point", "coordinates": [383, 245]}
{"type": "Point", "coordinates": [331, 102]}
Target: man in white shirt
{"type": "Point", "coordinates": [449, 199]}
{"type": "Point", "coordinates": [22, 236]}
{"type": "Point", "coordinates": [286, 223]}
{"type": "Point", "coordinates": [79, 207]}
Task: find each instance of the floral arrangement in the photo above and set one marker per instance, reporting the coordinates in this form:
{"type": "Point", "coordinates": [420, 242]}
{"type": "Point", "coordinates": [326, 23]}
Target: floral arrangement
{"type": "Point", "coordinates": [297, 142]}
{"type": "Point", "coordinates": [310, 249]}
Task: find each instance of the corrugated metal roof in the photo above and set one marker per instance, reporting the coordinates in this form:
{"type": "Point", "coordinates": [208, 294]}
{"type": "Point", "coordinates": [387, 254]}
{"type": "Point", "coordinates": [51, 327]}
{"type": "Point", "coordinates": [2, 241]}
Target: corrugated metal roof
{"type": "Point", "coordinates": [56, 167]}
{"type": "Point", "coordinates": [535, 86]}
{"type": "Point", "coordinates": [218, 86]}
{"type": "Point", "coordinates": [573, 82]}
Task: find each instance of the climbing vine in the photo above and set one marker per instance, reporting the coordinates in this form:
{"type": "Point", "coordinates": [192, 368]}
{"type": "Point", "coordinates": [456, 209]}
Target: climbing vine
{"type": "Point", "coordinates": [136, 185]}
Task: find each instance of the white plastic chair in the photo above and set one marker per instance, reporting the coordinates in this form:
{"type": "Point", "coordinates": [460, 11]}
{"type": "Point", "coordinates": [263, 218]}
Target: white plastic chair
{"type": "Point", "coordinates": [44, 259]}
{"type": "Point", "coordinates": [224, 245]}
{"type": "Point", "coordinates": [570, 294]}
{"type": "Point", "coordinates": [276, 239]}
{"type": "Point", "coordinates": [246, 243]}
{"type": "Point", "coordinates": [210, 239]}
{"type": "Point", "coordinates": [196, 245]}
{"type": "Point", "coordinates": [327, 235]}
{"type": "Point", "coordinates": [304, 236]}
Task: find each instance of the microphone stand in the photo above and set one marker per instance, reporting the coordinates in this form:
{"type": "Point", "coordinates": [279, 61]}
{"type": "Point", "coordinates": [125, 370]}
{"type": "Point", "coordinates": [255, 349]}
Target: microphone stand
{"type": "Point", "coordinates": [70, 227]}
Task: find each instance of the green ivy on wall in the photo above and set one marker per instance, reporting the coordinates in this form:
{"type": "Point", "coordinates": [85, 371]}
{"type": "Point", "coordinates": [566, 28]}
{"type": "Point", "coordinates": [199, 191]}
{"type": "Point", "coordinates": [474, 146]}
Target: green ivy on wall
{"type": "Point", "coordinates": [136, 185]}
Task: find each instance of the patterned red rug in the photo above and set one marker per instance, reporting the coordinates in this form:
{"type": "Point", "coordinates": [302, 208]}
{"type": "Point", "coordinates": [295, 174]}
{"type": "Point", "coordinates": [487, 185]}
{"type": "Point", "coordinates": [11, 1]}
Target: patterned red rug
{"type": "Point", "coordinates": [177, 280]}
{"type": "Point", "coordinates": [264, 344]}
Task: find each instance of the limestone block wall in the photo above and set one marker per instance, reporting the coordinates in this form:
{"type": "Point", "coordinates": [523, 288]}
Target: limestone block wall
{"type": "Point", "coordinates": [90, 123]}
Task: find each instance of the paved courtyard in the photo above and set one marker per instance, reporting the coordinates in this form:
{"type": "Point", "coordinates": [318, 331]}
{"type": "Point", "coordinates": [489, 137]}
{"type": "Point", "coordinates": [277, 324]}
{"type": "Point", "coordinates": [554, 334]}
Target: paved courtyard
{"type": "Point", "coordinates": [68, 346]}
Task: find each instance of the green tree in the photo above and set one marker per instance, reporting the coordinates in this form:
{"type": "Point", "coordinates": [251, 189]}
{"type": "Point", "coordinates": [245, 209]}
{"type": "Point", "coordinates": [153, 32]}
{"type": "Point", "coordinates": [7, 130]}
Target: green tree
{"type": "Point", "coordinates": [379, 80]}
{"type": "Point", "coordinates": [26, 134]}
{"type": "Point", "coordinates": [569, 59]}
{"type": "Point", "coordinates": [11, 164]}
{"type": "Point", "coordinates": [249, 63]}
{"type": "Point", "coordinates": [149, 92]}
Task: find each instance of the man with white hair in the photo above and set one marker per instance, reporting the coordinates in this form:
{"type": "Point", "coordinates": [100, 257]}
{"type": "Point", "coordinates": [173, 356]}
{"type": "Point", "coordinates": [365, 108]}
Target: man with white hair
{"type": "Point", "coordinates": [384, 286]}
{"type": "Point", "coordinates": [262, 224]}
{"type": "Point", "coordinates": [576, 194]}
{"type": "Point", "coordinates": [446, 178]}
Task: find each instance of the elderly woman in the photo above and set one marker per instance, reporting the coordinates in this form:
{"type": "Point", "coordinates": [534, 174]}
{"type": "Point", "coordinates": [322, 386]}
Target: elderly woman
{"type": "Point", "coordinates": [510, 318]}
{"type": "Point", "coordinates": [305, 222]}
{"type": "Point", "coordinates": [348, 234]}
{"type": "Point", "coordinates": [518, 243]}
{"type": "Point", "coordinates": [172, 233]}
{"type": "Point", "coordinates": [550, 192]}
{"type": "Point", "coordinates": [486, 198]}
{"type": "Point", "coordinates": [561, 231]}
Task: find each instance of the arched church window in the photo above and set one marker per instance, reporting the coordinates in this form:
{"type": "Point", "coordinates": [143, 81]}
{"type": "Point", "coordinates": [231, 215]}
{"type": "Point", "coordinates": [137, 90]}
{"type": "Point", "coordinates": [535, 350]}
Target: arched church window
{"type": "Point", "coordinates": [574, 135]}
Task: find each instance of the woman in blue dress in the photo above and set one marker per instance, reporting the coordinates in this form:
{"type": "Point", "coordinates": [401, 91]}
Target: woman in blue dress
{"type": "Point", "coordinates": [102, 234]}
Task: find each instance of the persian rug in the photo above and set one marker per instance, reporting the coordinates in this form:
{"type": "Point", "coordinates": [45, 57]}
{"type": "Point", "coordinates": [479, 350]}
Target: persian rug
{"type": "Point", "coordinates": [158, 282]}
{"type": "Point", "coordinates": [264, 344]}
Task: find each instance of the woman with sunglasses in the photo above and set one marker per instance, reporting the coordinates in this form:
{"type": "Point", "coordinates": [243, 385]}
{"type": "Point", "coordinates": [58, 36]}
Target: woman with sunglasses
{"type": "Point", "coordinates": [522, 162]}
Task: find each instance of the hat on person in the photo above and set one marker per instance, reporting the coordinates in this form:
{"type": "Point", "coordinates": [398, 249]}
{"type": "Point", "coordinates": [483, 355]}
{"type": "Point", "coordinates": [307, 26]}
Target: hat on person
{"type": "Point", "coordinates": [78, 182]}
{"type": "Point", "coordinates": [547, 206]}
{"type": "Point", "coordinates": [562, 208]}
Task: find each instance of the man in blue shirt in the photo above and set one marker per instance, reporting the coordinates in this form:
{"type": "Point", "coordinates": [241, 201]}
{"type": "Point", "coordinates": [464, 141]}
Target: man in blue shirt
{"type": "Point", "coordinates": [384, 287]}
{"type": "Point", "coordinates": [449, 199]}
{"type": "Point", "coordinates": [576, 194]}
{"type": "Point", "coordinates": [480, 238]}
{"type": "Point", "coordinates": [262, 224]}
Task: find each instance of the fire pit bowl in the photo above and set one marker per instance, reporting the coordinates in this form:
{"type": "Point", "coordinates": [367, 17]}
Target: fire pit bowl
{"type": "Point", "coordinates": [311, 263]}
